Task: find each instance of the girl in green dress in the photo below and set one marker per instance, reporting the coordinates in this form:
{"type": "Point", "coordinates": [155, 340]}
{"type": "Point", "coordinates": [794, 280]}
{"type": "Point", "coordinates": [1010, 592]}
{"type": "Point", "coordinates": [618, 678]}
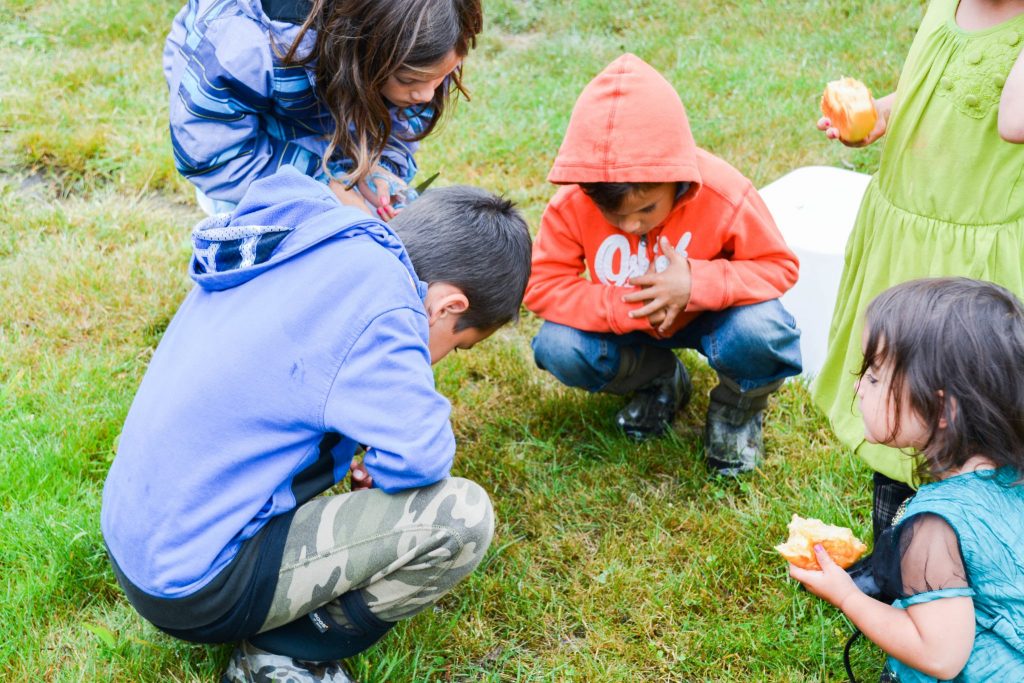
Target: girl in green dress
{"type": "Point", "coordinates": [943, 374]}
{"type": "Point", "coordinates": [948, 198]}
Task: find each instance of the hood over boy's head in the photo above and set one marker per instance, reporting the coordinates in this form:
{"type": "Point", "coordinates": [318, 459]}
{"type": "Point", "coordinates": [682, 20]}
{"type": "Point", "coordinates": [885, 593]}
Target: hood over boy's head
{"type": "Point", "coordinates": [473, 240]}
{"type": "Point", "coordinates": [628, 126]}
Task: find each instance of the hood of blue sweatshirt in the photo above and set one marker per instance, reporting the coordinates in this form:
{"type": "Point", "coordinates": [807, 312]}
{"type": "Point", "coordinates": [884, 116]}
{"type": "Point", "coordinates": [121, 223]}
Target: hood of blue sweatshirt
{"type": "Point", "coordinates": [267, 228]}
{"type": "Point", "coordinates": [305, 336]}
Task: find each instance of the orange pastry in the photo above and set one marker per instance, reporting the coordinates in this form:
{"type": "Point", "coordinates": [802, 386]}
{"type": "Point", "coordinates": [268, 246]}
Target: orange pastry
{"type": "Point", "coordinates": [843, 547]}
{"type": "Point", "coordinates": [849, 106]}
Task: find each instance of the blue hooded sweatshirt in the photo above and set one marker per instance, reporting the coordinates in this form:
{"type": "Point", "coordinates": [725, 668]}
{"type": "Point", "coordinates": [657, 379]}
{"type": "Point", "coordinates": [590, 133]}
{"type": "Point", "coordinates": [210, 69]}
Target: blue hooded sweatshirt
{"type": "Point", "coordinates": [305, 336]}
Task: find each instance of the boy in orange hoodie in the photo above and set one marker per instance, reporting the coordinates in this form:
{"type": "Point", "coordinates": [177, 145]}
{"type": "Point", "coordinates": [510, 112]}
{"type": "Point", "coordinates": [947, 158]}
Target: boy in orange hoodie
{"type": "Point", "coordinates": [681, 253]}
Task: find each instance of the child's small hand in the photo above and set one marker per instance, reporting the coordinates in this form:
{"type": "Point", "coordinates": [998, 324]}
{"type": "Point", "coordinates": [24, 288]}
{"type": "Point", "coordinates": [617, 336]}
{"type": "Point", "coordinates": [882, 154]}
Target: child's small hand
{"type": "Point", "coordinates": [667, 291]}
{"type": "Point", "coordinates": [657, 318]}
{"type": "Point", "coordinates": [348, 197]}
{"type": "Point", "coordinates": [361, 479]}
{"type": "Point", "coordinates": [883, 106]}
{"type": "Point", "coordinates": [832, 583]}
{"type": "Point", "coordinates": [379, 188]}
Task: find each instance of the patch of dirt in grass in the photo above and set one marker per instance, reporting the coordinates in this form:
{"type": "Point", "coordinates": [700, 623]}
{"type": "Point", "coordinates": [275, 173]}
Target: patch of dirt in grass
{"type": "Point", "coordinates": [51, 184]}
{"type": "Point", "coordinates": [498, 40]}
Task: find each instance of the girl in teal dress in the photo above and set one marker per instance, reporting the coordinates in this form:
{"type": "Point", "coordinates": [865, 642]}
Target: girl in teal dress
{"type": "Point", "coordinates": [943, 376]}
{"type": "Point", "coordinates": [948, 198]}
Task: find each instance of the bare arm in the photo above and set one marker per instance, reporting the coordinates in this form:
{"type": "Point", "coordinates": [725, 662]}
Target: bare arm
{"type": "Point", "coordinates": [1011, 104]}
{"type": "Point", "coordinates": [348, 197]}
{"type": "Point", "coordinates": [933, 637]}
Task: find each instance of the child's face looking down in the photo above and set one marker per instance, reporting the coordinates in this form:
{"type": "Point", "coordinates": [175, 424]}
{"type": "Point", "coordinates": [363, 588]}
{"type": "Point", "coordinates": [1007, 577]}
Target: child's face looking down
{"type": "Point", "coordinates": [445, 304]}
{"type": "Point", "coordinates": [410, 86]}
{"type": "Point", "coordinates": [444, 338]}
{"type": "Point", "coordinates": [878, 411]}
{"type": "Point", "coordinates": [641, 211]}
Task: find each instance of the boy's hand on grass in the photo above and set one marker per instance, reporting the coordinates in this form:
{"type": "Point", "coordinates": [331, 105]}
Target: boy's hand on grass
{"type": "Point", "coordinates": [361, 479]}
{"type": "Point", "coordinates": [667, 292]}
{"type": "Point", "coordinates": [832, 583]}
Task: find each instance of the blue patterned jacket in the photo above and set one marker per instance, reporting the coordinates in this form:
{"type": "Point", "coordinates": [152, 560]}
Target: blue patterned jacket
{"type": "Point", "coordinates": [237, 113]}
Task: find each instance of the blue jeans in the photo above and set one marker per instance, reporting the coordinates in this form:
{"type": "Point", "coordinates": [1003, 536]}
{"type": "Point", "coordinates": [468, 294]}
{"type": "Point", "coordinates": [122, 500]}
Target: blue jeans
{"type": "Point", "coordinates": [754, 346]}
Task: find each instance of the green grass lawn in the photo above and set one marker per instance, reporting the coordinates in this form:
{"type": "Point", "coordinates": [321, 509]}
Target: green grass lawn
{"type": "Point", "coordinates": [612, 561]}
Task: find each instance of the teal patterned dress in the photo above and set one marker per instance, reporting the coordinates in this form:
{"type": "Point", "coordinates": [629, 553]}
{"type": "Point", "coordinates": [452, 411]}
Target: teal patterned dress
{"type": "Point", "coordinates": [986, 511]}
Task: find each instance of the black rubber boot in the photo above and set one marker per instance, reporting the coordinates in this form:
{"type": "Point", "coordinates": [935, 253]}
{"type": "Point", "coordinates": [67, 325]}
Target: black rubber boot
{"type": "Point", "coordinates": [733, 439]}
{"type": "Point", "coordinates": [733, 435]}
{"type": "Point", "coordinates": [653, 407]}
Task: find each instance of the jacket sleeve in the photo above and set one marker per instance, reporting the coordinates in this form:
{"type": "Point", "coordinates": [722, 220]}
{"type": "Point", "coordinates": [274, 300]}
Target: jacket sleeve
{"type": "Point", "coordinates": [557, 290]}
{"type": "Point", "coordinates": [754, 264]}
{"type": "Point", "coordinates": [383, 396]}
{"type": "Point", "coordinates": [398, 154]}
{"type": "Point", "coordinates": [224, 84]}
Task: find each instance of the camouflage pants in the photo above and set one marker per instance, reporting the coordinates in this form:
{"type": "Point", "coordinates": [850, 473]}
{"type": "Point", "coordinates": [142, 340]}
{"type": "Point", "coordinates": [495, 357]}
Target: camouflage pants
{"type": "Point", "coordinates": [403, 551]}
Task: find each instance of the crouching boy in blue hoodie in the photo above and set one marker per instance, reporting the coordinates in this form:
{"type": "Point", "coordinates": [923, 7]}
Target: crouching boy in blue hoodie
{"type": "Point", "coordinates": [312, 330]}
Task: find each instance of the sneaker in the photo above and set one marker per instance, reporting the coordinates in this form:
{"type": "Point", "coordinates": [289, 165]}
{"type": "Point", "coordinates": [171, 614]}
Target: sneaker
{"type": "Point", "coordinates": [653, 407]}
{"type": "Point", "coordinates": [733, 441]}
{"type": "Point", "coordinates": [249, 664]}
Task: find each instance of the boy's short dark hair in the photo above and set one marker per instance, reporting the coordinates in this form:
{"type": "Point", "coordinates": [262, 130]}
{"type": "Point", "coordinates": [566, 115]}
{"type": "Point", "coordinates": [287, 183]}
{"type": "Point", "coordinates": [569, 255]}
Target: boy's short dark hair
{"type": "Point", "coordinates": [609, 196]}
{"type": "Point", "coordinates": [474, 240]}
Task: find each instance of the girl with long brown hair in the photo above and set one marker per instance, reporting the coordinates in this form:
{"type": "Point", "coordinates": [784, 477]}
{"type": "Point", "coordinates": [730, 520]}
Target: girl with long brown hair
{"type": "Point", "coordinates": [341, 89]}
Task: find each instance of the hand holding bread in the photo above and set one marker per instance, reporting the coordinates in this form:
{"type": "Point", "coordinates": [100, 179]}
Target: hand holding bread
{"type": "Point", "coordinates": [842, 546]}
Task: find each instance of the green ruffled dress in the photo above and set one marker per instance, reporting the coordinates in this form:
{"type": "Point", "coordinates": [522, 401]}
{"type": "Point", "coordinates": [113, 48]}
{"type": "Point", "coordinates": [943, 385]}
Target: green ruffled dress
{"type": "Point", "coordinates": [948, 199]}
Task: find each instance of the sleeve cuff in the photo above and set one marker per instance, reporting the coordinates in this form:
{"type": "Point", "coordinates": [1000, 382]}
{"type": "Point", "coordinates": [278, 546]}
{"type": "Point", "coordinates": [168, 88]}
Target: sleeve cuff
{"type": "Point", "coordinates": [929, 596]}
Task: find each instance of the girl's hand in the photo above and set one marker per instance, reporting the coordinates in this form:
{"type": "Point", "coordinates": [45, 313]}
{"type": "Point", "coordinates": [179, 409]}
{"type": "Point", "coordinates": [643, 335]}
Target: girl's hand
{"type": "Point", "coordinates": [381, 188]}
{"type": "Point", "coordinates": [348, 197]}
{"type": "Point", "coordinates": [883, 107]}
{"type": "Point", "coordinates": [667, 291]}
{"type": "Point", "coordinates": [361, 479]}
{"type": "Point", "coordinates": [832, 583]}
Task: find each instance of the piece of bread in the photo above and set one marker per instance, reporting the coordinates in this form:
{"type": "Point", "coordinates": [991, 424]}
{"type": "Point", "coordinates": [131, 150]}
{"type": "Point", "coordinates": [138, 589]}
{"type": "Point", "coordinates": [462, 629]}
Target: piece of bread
{"type": "Point", "coordinates": [842, 546]}
{"type": "Point", "coordinates": [849, 106]}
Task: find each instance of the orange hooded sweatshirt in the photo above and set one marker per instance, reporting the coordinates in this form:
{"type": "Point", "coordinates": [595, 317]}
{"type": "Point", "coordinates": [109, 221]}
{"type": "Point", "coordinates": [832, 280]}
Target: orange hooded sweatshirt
{"type": "Point", "coordinates": [629, 125]}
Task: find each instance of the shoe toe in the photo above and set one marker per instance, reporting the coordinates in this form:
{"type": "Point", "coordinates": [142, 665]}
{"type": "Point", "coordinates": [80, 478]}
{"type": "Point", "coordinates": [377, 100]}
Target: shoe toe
{"type": "Point", "coordinates": [652, 409]}
{"type": "Point", "coordinates": [250, 664]}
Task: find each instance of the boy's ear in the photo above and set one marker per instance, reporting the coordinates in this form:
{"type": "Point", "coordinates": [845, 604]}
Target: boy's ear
{"type": "Point", "coordinates": [444, 299]}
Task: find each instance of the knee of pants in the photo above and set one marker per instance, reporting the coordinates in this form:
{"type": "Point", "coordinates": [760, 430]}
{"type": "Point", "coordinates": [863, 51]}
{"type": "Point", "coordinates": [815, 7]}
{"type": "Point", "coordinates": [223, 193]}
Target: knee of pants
{"type": "Point", "coordinates": [576, 358]}
{"type": "Point", "coordinates": [451, 528]}
{"type": "Point", "coordinates": [756, 342]}
{"type": "Point", "coordinates": [469, 518]}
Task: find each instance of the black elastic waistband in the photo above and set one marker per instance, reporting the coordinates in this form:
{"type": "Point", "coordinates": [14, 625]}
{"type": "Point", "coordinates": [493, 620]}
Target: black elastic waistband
{"type": "Point", "coordinates": [233, 605]}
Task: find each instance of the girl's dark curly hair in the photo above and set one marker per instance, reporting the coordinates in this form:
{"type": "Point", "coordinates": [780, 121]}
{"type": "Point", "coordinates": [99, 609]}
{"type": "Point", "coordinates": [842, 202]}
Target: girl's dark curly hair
{"type": "Point", "coordinates": [956, 350]}
{"type": "Point", "coordinates": [362, 43]}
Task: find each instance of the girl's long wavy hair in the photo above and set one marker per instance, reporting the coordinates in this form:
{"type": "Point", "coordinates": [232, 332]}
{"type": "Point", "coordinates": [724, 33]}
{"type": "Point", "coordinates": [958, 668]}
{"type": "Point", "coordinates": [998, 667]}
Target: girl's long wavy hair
{"type": "Point", "coordinates": [956, 350]}
{"type": "Point", "coordinates": [362, 43]}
